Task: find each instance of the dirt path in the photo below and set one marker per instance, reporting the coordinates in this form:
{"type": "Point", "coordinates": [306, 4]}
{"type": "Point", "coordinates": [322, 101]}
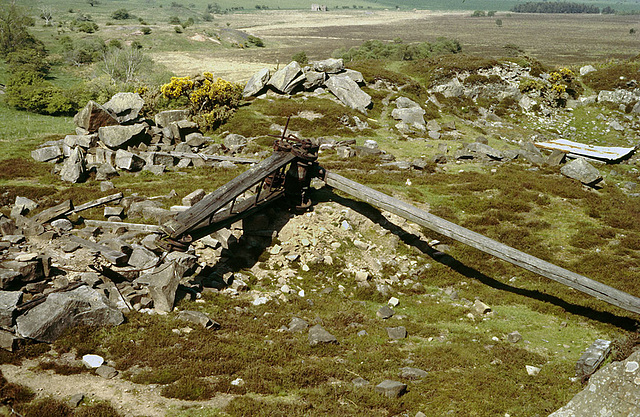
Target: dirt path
{"type": "Point", "coordinates": [128, 398]}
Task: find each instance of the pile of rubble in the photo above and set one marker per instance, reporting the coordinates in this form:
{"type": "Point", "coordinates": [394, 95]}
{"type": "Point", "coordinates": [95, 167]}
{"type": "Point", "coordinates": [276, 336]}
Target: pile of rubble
{"type": "Point", "coordinates": [56, 274]}
{"type": "Point", "coordinates": [115, 136]}
{"type": "Point", "coordinates": [329, 73]}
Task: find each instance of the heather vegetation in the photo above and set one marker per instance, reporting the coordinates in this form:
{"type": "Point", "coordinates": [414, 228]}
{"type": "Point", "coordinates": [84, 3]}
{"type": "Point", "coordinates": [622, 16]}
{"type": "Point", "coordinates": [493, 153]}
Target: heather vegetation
{"type": "Point", "coordinates": [253, 361]}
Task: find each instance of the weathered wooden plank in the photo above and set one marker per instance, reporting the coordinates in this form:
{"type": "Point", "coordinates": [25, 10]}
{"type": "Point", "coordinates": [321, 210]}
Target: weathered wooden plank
{"type": "Point", "coordinates": [98, 202]}
{"type": "Point", "coordinates": [115, 257]}
{"type": "Point", "coordinates": [187, 220]}
{"type": "Point", "coordinates": [485, 244]}
{"type": "Point", "coordinates": [207, 157]}
{"type": "Point", "coordinates": [56, 211]}
{"type": "Point", "coordinates": [149, 228]}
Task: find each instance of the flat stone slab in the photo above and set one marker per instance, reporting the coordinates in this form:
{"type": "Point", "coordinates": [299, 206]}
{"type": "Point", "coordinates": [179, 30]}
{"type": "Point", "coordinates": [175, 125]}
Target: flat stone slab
{"type": "Point", "coordinates": [391, 389]}
{"type": "Point", "coordinates": [319, 335]}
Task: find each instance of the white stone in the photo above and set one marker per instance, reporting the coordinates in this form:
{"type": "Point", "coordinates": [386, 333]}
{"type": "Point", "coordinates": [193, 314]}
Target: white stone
{"type": "Point", "coordinates": [260, 301]}
{"type": "Point", "coordinates": [93, 361]}
{"type": "Point", "coordinates": [238, 382]}
{"type": "Point", "coordinates": [393, 301]}
{"type": "Point", "coordinates": [301, 293]}
{"type": "Point", "coordinates": [532, 370]}
{"type": "Point", "coordinates": [345, 225]}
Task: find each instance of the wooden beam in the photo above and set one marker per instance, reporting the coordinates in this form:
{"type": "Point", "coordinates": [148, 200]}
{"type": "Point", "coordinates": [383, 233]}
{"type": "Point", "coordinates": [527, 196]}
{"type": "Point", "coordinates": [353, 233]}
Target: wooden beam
{"type": "Point", "coordinates": [207, 157]}
{"type": "Point", "coordinates": [149, 228]}
{"type": "Point", "coordinates": [98, 202]}
{"type": "Point", "coordinates": [54, 212]}
{"type": "Point", "coordinates": [579, 282]}
{"type": "Point", "coordinates": [210, 204]}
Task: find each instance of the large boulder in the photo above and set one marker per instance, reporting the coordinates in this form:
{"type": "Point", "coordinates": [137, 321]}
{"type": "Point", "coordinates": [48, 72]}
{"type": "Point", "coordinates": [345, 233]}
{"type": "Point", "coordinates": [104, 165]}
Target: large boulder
{"type": "Point", "coordinates": [116, 137]}
{"type": "Point", "coordinates": [94, 116]}
{"type": "Point", "coordinates": [256, 83]}
{"type": "Point", "coordinates": [125, 106]}
{"type": "Point", "coordinates": [348, 92]}
{"type": "Point", "coordinates": [47, 153]}
{"type": "Point", "coordinates": [9, 301]}
{"type": "Point", "coordinates": [612, 391]}
{"type": "Point", "coordinates": [313, 79]}
{"type": "Point", "coordinates": [412, 116]}
{"type": "Point", "coordinates": [329, 66]}
{"type": "Point", "coordinates": [163, 283]}
{"type": "Point", "coordinates": [82, 306]}
{"type": "Point", "coordinates": [581, 170]}
{"type": "Point", "coordinates": [165, 118]}
{"type": "Point", "coordinates": [281, 79]}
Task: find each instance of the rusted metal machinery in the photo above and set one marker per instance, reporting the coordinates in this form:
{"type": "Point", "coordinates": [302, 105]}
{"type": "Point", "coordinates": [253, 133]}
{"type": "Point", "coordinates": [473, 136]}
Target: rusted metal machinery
{"type": "Point", "coordinates": [287, 173]}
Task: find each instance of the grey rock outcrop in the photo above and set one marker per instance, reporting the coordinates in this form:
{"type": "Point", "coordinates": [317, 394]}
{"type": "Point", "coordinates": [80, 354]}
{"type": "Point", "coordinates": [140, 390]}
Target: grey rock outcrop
{"type": "Point", "coordinates": [611, 391]}
{"type": "Point", "coordinates": [82, 306]}
{"type": "Point", "coordinates": [256, 83]}
{"type": "Point", "coordinates": [125, 106]}
{"type": "Point", "coordinates": [282, 79]}
{"type": "Point", "coordinates": [129, 161]}
{"type": "Point", "coordinates": [116, 137]}
{"type": "Point", "coordinates": [348, 92]}
{"type": "Point", "coordinates": [329, 66]}
{"type": "Point", "coordinates": [163, 284]}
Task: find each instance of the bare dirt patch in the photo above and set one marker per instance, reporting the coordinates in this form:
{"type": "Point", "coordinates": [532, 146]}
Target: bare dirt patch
{"type": "Point", "coordinates": [128, 398]}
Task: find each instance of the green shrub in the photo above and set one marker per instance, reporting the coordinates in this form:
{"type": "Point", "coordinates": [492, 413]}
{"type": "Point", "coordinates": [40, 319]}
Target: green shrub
{"type": "Point", "coordinates": [301, 58]}
{"type": "Point", "coordinates": [177, 29]}
{"type": "Point", "coordinates": [174, 20]}
{"type": "Point", "coordinates": [28, 90]}
{"type": "Point", "coordinates": [146, 30]}
{"type": "Point", "coordinates": [121, 14]}
{"type": "Point", "coordinates": [254, 40]}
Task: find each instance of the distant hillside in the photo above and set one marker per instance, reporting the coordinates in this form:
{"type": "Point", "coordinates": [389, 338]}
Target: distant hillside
{"type": "Point", "coordinates": [258, 5]}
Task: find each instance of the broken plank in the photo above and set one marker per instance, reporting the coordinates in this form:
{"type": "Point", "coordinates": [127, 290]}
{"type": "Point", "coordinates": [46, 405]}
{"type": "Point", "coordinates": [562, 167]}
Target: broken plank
{"type": "Point", "coordinates": [149, 228]}
{"type": "Point", "coordinates": [185, 221]}
{"type": "Point", "coordinates": [115, 257]}
{"type": "Point", "coordinates": [51, 213]}
{"type": "Point", "coordinates": [588, 286]}
{"type": "Point", "coordinates": [98, 202]}
{"type": "Point", "coordinates": [206, 157]}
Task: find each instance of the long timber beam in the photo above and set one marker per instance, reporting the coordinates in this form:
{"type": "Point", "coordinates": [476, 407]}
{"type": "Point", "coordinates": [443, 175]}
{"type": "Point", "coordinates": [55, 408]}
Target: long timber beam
{"type": "Point", "coordinates": [579, 282]}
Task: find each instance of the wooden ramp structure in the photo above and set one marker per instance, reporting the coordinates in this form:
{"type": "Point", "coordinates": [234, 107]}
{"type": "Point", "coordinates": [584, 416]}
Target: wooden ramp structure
{"type": "Point", "coordinates": [288, 172]}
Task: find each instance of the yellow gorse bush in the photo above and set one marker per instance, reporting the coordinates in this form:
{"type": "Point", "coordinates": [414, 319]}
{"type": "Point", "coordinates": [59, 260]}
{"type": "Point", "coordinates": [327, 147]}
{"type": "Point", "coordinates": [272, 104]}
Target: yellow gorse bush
{"type": "Point", "coordinates": [212, 101]}
{"type": "Point", "coordinates": [177, 87]}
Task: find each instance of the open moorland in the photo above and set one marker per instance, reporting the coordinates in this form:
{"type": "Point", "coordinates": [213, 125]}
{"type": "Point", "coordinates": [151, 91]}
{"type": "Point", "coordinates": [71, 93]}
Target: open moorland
{"type": "Point", "coordinates": [477, 336]}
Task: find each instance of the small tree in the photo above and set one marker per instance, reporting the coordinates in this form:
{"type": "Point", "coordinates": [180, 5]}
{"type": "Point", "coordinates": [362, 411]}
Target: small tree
{"type": "Point", "coordinates": [46, 14]}
{"type": "Point", "coordinates": [254, 40]}
{"type": "Point", "coordinates": [174, 20]}
{"type": "Point", "coordinates": [478, 13]}
{"type": "Point", "coordinates": [632, 31]}
{"type": "Point", "coordinates": [300, 58]}
{"type": "Point", "coordinates": [499, 22]}
{"type": "Point", "coordinates": [122, 65]}
{"type": "Point", "coordinates": [491, 13]}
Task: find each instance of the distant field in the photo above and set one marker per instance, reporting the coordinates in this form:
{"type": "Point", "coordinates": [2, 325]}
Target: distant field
{"type": "Point", "coordinates": [152, 8]}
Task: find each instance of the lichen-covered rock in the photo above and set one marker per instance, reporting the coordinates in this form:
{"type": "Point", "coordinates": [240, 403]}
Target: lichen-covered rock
{"type": "Point", "coordinates": [125, 106]}
{"type": "Point", "coordinates": [256, 83]}
{"type": "Point", "coordinates": [63, 310]}
{"type": "Point", "coordinates": [281, 79]}
{"type": "Point", "coordinates": [348, 92]}
{"type": "Point", "coordinates": [612, 391]}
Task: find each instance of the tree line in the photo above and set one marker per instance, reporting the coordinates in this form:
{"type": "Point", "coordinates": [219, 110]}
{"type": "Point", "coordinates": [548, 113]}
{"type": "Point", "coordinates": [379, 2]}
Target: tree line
{"type": "Point", "coordinates": [560, 7]}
